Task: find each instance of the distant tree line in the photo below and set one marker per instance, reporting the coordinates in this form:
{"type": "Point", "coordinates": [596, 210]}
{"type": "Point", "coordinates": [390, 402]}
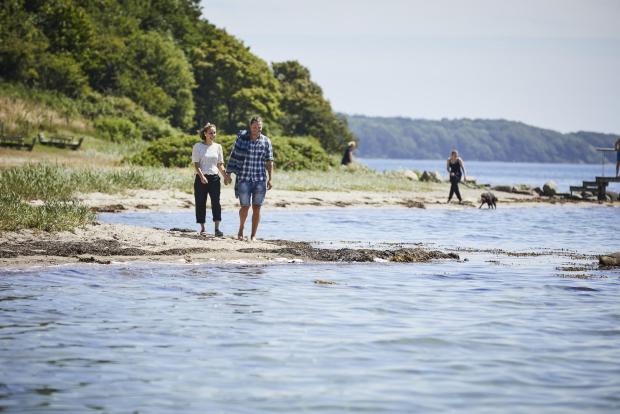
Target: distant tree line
{"type": "Point", "coordinates": [475, 139]}
{"type": "Point", "coordinates": [165, 57]}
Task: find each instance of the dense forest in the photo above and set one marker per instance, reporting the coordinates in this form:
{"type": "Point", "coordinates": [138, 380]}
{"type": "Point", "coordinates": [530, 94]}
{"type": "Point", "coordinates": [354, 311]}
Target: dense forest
{"type": "Point", "coordinates": [165, 58]}
{"type": "Point", "coordinates": [158, 69]}
{"type": "Point", "coordinates": [475, 139]}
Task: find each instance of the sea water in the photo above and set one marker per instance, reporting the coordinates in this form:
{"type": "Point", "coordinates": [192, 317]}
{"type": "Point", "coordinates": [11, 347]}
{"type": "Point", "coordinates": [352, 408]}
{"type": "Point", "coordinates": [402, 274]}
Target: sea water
{"type": "Point", "coordinates": [496, 331]}
{"type": "Point", "coordinates": [507, 173]}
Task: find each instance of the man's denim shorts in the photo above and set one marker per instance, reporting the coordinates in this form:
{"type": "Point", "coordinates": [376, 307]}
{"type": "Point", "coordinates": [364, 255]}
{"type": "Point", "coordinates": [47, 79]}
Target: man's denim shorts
{"type": "Point", "coordinates": [255, 190]}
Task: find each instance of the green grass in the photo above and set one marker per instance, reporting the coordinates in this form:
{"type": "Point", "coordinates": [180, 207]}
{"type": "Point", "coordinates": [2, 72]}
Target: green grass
{"type": "Point", "coordinates": [350, 178]}
{"type": "Point", "coordinates": [56, 186]}
{"type": "Point", "coordinates": [53, 215]}
{"type": "Point", "coordinates": [57, 182]}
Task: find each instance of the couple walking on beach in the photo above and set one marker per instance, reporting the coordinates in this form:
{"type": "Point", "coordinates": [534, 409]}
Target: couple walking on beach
{"type": "Point", "coordinates": [251, 160]}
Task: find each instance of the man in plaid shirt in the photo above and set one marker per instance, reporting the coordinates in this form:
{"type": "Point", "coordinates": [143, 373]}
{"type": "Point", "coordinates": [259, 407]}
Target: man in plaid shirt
{"type": "Point", "coordinates": [252, 154]}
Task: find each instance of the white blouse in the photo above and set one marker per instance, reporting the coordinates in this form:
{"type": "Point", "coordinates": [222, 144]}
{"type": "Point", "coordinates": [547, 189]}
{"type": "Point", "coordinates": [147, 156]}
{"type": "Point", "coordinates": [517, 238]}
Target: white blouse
{"type": "Point", "coordinates": [209, 156]}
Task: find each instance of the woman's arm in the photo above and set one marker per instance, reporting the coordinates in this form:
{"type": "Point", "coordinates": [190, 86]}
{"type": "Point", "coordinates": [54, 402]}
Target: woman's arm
{"type": "Point", "coordinates": [463, 168]}
{"type": "Point", "coordinates": [202, 177]}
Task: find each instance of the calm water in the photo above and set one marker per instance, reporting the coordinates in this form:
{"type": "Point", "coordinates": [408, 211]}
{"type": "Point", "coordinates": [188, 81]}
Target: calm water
{"type": "Point", "coordinates": [494, 173]}
{"type": "Point", "coordinates": [591, 230]}
{"type": "Point", "coordinates": [495, 333]}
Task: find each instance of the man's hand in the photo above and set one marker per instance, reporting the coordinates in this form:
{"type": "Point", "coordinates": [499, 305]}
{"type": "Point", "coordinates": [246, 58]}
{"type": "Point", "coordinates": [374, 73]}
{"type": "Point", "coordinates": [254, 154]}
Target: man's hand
{"type": "Point", "coordinates": [269, 184]}
{"type": "Point", "coordinates": [203, 179]}
{"type": "Point", "coordinates": [227, 179]}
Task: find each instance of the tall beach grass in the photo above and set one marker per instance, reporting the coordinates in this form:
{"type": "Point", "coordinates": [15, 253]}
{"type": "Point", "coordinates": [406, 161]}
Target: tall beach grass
{"type": "Point", "coordinates": [55, 188]}
{"type": "Point", "coordinates": [52, 215]}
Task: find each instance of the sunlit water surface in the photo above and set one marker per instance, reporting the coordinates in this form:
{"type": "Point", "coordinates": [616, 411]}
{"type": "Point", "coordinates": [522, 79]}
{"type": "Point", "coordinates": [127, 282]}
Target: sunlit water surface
{"type": "Point", "coordinates": [507, 173]}
{"type": "Point", "coordinates": [493, 333]}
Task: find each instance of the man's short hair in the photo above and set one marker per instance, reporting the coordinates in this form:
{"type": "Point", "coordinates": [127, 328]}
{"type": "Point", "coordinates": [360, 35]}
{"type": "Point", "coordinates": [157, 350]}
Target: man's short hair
{"type": "Point", "coordinates": [256, 119]}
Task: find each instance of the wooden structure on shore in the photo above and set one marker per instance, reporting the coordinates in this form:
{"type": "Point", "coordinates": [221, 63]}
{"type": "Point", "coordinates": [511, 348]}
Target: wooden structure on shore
{"type": "Point", "coordinates": [61, 142]}
{"type": "Point", "coordinates": [15, 141]}
{"type": "Point", "coordinates": [597, 187]}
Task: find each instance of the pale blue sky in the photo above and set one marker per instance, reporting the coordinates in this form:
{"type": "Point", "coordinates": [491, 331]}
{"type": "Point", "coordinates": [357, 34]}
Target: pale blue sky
{"type": "Point", "coordinates": [549, 63]}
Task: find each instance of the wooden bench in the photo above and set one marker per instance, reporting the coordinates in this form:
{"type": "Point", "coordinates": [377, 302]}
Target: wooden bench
{"type": "Point", "coordinates": [61, 142]}
{"type": "Point", "coordinates": [15, 141]}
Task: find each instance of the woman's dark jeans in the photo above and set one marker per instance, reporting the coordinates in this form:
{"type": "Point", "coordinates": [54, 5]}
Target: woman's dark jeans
{"type": "Point", "coordinates": [201, 191]}
{"type": "Point", "coordinates": [454, 187]}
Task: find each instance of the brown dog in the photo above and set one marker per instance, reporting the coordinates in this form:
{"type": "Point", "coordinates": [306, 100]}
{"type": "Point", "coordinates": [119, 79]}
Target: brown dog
{"type": "Point", "coordinates": [489, 199]}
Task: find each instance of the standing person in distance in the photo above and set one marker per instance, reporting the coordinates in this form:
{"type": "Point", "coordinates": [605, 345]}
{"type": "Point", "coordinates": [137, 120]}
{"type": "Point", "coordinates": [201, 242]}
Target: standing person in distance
{"type": "Point", "coordinates": [617, 148]}
{"type": "Point", "coordinates": [208, 160]}
{"type": "Point", "coordinates": [251, 157]}
{"type": "Point", "coordinates": [347, 157]}
{"type": "Point", "coordinates": [454, 166]}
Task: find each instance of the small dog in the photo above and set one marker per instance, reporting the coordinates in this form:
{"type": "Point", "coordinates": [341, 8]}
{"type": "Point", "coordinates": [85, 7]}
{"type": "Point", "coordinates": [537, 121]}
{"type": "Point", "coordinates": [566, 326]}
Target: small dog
{"type": "Point", "coordinates": [489, 199]}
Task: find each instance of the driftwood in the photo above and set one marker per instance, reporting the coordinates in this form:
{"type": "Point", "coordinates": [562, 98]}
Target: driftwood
{"type": "Point", "coordinates": [60, 141]}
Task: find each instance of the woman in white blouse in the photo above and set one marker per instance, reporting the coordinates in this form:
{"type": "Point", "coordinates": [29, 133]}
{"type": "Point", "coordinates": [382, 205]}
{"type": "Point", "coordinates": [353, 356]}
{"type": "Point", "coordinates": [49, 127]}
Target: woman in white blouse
{"type": "Point", "coordinates": [208, 160]}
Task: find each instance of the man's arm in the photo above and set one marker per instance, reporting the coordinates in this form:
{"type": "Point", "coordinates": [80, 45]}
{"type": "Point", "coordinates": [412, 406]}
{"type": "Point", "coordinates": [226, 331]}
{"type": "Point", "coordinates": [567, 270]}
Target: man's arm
{"type": "Point", "coordinates": [269, 165]}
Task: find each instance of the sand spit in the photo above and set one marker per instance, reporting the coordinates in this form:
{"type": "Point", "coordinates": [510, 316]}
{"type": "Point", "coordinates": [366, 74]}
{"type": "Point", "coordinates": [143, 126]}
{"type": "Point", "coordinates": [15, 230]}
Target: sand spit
{"type": "Point", "coordinates": [174, 200]}
{"type": "Point", "coordinates": [107, 243]}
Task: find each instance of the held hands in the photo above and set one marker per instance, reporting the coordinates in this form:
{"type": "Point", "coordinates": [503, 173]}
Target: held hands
{"type": "Point", "coordinates": [227, 179]}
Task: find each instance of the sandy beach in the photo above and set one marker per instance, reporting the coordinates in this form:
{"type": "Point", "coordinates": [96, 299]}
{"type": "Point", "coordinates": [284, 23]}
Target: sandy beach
{"type": "Point", "coordinates": [174, 200]}
{"type": "Point", "coordinates": [108, 243]}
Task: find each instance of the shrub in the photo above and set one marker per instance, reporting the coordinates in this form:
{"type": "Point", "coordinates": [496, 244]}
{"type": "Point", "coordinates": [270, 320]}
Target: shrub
{"type": "Point", "coordinates": [299, 153]}
{"type": "Point", "coordinates": [117, 129]}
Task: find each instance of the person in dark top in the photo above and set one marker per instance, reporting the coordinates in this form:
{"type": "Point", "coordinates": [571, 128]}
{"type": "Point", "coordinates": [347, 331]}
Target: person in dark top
{"type": "Point", "coordinates": [347, 157]}
{"type": "Point", "coordinates": [455, 166]}
{"type": "Point", "coordinates": [617, 148]}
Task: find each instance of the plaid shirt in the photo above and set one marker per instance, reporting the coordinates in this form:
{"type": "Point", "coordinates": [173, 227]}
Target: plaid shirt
{"type": "Point", "coordinates": [259, 152]}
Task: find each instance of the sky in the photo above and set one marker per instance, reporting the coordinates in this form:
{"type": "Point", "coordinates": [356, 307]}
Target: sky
{"type": "Point", "coordinates": [549, 63]}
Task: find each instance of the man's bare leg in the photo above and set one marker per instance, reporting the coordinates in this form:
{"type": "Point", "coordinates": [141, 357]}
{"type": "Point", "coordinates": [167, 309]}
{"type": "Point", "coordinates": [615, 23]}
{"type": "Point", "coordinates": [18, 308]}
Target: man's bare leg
{"type": "Point", "coordinates": [255, 220]}
{"type": "Point", "coordinates": [617, 167]}
{"type": "Point", "coordinates": [243, 215]}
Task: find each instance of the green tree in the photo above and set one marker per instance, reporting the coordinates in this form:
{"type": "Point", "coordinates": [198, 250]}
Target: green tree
{"type": "Point", "coordinates": [21, 43]}
{"type": "Point", "coordinates": [157, 75]}
{"type": "Point", "coordinates": [233, 84]}
{"type": "Point", "coordinates": [304, 109]}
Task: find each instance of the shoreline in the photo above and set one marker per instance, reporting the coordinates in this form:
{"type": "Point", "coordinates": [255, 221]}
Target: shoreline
{"type": "Point", "coordinates": [177, 201]}
{"type": "Point", "coordinates": [105, 243]}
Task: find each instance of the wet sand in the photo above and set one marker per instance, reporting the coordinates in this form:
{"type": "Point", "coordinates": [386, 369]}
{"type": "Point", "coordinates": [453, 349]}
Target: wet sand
{"type": "Point", "coordinates": [109, 243]}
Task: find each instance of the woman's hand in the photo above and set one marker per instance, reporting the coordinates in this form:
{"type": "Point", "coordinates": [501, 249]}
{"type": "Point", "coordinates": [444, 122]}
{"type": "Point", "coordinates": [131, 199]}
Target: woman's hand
{"type": "Point", "coordinates": [203, 179]}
